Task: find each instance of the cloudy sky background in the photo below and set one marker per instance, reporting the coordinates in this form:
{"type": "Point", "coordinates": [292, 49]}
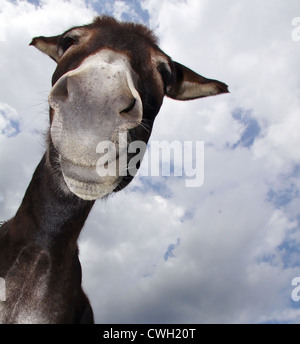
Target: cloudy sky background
{"type": "Point", "coordinates": [160, 252]}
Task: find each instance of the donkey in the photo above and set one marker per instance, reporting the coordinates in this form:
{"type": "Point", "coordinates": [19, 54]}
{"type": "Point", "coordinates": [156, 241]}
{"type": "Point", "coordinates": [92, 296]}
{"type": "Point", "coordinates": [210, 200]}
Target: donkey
{"type": "Point", "coordinates": [111, 78]}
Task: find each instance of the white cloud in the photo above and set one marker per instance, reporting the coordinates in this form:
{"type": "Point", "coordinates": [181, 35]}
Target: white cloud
{"type": "Point", "coordinates": [9, 121]}
{"type": "Point", "coordinates": [233, 263]}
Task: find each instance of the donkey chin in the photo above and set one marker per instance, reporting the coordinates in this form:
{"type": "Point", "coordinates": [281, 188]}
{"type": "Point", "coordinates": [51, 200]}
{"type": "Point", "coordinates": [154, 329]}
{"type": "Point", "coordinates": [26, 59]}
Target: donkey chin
{"type": "Point", "coordinates": [84, 181]}
{"type": "Point", "coordinates": [92, 181]}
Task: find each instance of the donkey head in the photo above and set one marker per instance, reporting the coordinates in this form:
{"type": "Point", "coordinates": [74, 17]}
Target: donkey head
{"type": "Point", "coordinates": [111, 78]}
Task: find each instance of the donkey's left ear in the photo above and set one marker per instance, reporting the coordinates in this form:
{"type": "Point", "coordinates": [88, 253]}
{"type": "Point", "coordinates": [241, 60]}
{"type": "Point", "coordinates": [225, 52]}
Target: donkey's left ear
{"type": "Point", "coordinates": [47, 45]}
{"type": "Point", "coordinates": [190, 85]}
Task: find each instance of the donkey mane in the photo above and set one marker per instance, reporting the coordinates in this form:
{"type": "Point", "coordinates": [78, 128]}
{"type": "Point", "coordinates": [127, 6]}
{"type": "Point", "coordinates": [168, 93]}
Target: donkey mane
{"type": "Point", "coordinates": [131, 28]}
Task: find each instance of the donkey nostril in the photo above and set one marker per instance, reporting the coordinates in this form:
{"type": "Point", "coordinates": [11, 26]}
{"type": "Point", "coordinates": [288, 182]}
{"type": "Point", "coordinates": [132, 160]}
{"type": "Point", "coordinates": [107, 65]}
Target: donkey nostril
{"type": "Point", "coordinates": [130, 107]}
{"type": "Point", "coordinates": [60, 88]}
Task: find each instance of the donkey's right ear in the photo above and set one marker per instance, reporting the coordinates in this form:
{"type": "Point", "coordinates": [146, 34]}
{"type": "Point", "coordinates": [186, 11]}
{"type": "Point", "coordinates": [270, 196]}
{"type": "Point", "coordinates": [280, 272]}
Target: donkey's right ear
{"type": "Point", "coordinates": [47, 45]}
{"type": "Point", "coordinates": [190, 85]}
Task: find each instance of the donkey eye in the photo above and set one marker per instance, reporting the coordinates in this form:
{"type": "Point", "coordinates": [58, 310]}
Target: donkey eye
{"type": "Point", "coordinates": [67, 43]}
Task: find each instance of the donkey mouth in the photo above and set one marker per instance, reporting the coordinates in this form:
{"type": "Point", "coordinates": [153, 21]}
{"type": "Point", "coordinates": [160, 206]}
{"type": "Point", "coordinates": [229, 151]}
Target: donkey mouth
{"type": "Point", "coordinates": [85, 182]}
{"type": "Point", "coordinates": [90, 191]}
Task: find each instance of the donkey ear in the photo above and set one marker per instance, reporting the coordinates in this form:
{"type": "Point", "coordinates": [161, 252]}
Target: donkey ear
{"type": "Point", "coordinates": [47, 45]}
{"type": "Point", "coordinates": [190, 85]}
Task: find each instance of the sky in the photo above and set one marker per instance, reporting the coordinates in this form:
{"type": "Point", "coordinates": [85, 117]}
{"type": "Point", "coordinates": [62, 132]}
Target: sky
{"type": "Point", "coordinates": [161, 252]}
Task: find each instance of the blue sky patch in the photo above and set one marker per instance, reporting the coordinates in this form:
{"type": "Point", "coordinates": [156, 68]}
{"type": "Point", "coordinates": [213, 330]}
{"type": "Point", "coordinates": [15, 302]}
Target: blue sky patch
{"type": "Point", "coordinates": [281, 198]}
{"type": "Point", "coordinates": [9, 123]}
{"type": "Point", "coordinates": [153, 184]}
{"type": "Point", "coordinates": [252, 128]}
{"type": "Point", "coordinates": [290, 253]}
{"type": "Point", "coordinates": [170, 251]}
{"type": "Point", "coordinates": [133, 12]}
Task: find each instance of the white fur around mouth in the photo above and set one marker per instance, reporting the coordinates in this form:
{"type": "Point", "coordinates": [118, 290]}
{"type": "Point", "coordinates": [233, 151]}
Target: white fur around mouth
{"type": "Point", "coordinates": [89, 191]}
{"type": "Point", "coordinates": [85, 182]}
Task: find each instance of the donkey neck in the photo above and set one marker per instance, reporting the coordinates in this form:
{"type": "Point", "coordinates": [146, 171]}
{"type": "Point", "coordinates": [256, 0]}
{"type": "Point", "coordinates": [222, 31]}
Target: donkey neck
{"type": "Point", "coordinates": [48, 216]}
